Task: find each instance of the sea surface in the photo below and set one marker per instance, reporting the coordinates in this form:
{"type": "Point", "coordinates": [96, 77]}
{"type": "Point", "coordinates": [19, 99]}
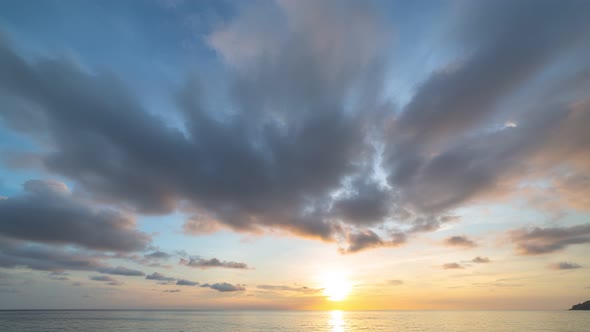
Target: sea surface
{"type": "Point", "coordinates": [335, 321]}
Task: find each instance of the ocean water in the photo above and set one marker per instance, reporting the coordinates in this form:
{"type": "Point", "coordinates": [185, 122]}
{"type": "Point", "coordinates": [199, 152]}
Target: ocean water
{"type": "Point", "coordinates": [276, 321]}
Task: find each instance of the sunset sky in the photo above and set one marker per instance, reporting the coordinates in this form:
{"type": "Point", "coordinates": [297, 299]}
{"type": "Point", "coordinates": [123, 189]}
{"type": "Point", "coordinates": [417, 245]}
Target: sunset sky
{"type": "Point", "coordinates": [291, 154]}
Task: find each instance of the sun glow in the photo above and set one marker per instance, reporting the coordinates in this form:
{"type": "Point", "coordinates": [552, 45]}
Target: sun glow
{"type": "Point", "coordinates": [336, 287]}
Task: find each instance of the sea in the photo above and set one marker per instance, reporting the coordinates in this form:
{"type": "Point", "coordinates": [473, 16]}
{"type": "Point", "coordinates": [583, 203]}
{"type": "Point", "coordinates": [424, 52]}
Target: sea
{"type": "Point", "coordinates": [276, 321]}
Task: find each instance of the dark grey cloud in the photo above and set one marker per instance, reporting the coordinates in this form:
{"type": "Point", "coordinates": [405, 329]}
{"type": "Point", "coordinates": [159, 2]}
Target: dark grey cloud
{"type": "Point", "coordinates": [460, 241]}
{"type": "Point", "coordinates": [368, 203]}
{"type": "Point", "coordinates": [47, 212]}
{"type": "Point", "coordinates": [365, 239]}
{"type": "Point", "coordinates": [564, 266]}
{"type": "Point", "coordinates": [444, 150]}
{"type": "Point", "coordinates": [159, 277]}
{"type": "Point", "coordinates": [298, 289]}
{"type": "Point", "coordinates": [154, 259]}
{"type": "Point", "coordinates": [45, 258]}
{"type": "Point", "coordinates": [183, 282]}
{"type": "Point", "coordinates": [480, 259]}
{"type": "Point", "coordinates": [171, 291]}
{"type": "Point", "coordinates": [359, 239]}
{"type": "Point", "coordinates": [102, 278]}
{"type": "Point", "coordinates": [212, 263]}
{"type": "Point", "coordinates": [305, 120]}
{"type": "Point", "coordinates": [121, 270]}
{"type": "Point", "coordinates": [158, 255]}
{"type": "Point", "coordinates": [225, 287]}
{"type": "Point", "coordinates": [538, 240]}
{"type": "Point", "coordinates": [249, 171]}
{"type": "Point", "coordinates": [57, 260]}
{"type": "Point", "coordinates": [107, 280]}
{"type": "Point", "coordinates": [452, 266]}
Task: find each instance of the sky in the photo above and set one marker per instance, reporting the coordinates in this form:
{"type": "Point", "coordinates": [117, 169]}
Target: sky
{"type": "Point", "coordinates": [281, 154]}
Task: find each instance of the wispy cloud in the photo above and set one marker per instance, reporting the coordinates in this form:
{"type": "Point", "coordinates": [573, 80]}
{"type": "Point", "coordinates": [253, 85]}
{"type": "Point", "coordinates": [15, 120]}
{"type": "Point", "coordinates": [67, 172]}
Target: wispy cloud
{"type": "Point", "coordinates": [159, 277]}
{"type": "Point", "coordinates": [183, 282]}
{"type": "Point", "coordinates": [564, 266]}
{"type": "Point", "coordinates": [121, 270]}
{"type": "Point", "coordinates": [481, 260]}
{"type": "Point", "coordinates": [538, 240]}
{"type": "Point", "coordinates": [108, 280]}
{"type": "Point", "coordinates": [212, 263]}
{"type": "Point", "coordinates": [460, 241]}
{"type": "Point", "coordinates": [171, 291]}
{"type": "Point", "coordinates": [452, 266]}
{"type": "Point", "coordinates": [298, 289]}
{"type": "Point", "coordinates": [225, 287]}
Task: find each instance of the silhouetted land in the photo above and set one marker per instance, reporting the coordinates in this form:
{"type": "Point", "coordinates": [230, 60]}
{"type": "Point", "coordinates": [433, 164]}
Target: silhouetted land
{"type": "Point", "coordinates": [581, 306]}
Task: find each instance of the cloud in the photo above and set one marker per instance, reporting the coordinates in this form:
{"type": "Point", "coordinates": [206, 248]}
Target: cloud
{"type": "Point", "coordinates": [212, 263]}
{"type": "Point", "coordinates": [45, 258]}
{"type": "Point", "coordinates": [444, 153]}
{"type": "Point", "coordinates": [368, 204]}
{"type": "Point", "coordinates": [362, 239]}
{"type": "Point", "coordinates": [159, 277]}
{"type": "Point", "coordinates": [460, 241]}
{"type": "Point", "coordinates": [108, 280]}
{"type": "Point", "coordinates": [182, 282]}
{"type": "Point", "coordinates": [299, 289]}
{"type": "Point", "coordinates": [479, 259]}
{"type": "Point", "coordinates": [102, 278]}
{"type": "Point", "coordinates": [538, 240]}
{"type": "Point", "coordinates": [248, 172]}
{"type": "Point", "coordinates": [47, 212]}
{"type": "Point", "coordinates": [564, 266]}
{"type": "Point", "coordinates": [121, 270]}
{"type": "Point", "coordinates": [366, 239]}
{"type": "Point", "coordinates": [225, 287]}
{"type": "Point", "coordinates": [171, 291]}
{"type": "Point", "coordinates": [158, 255]}
{"type": "Point", "coordinates": [452, 266]}
{"type": "Point", "coordinates": [293, 100]}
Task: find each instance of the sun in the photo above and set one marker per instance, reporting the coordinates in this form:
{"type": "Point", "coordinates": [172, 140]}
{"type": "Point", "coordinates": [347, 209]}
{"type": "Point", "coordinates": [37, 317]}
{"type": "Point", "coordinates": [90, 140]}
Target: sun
{"type": "Point", "coordinates": [336, 287]}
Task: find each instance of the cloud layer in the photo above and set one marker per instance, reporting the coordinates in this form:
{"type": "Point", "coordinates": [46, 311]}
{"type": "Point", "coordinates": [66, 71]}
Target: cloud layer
{"type": "Point", "coordinates": [538, 240]}
{"type": "Point", "coordinates": [48, 212]}
{"type": "Point", "coordinates": [460, 241]}
{"type": "Point", "coordinates": [212, 263]}
{"type": "Point", "coordinates": [564, 266]}
{"type": "Point", "coordinates": [308, 139]}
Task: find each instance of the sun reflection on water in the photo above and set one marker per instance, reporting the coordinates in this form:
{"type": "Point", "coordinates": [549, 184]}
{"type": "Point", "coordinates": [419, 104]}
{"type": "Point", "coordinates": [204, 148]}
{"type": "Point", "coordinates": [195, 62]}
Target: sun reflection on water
{"type": "Point", "coordinates": [336, 322]}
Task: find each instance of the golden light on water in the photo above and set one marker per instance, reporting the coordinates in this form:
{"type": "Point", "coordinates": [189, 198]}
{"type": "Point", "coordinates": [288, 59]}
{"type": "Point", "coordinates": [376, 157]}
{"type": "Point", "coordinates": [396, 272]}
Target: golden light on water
{"type": "Point", "coordinates": [336, 322]}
